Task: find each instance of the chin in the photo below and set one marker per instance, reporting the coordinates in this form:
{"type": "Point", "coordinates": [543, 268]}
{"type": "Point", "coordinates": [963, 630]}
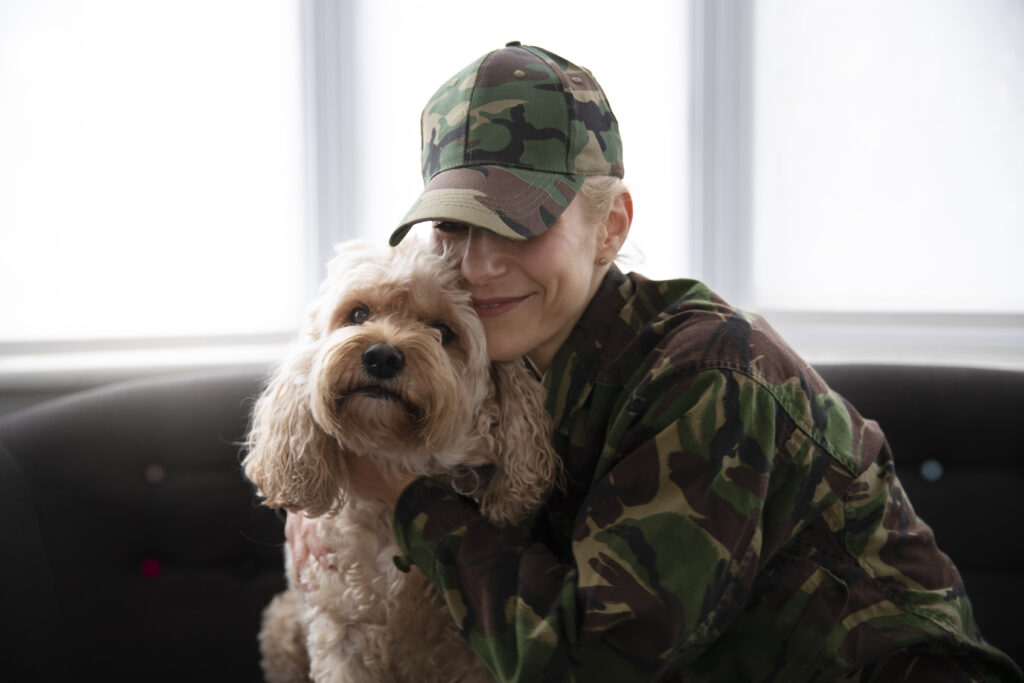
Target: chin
{"type": "Point", "coordinates": [501, 350]}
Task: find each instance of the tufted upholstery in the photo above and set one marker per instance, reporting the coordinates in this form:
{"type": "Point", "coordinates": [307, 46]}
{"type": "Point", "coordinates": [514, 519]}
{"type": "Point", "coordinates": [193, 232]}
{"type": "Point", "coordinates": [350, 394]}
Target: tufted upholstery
{"type": "Point", "coordinates": [134, 551]}
{"type": "Point", "coordinates": [138, 552]}
{"type": "Point", "coordinates": [961, 425]}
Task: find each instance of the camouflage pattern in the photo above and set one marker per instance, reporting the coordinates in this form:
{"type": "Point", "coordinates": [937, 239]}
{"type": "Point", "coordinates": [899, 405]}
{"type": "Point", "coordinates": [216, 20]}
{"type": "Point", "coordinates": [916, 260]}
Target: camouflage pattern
{"type": "Point", "coordinates": [728, 518]}
{"type": "Point", "coordinates": [509, 140]}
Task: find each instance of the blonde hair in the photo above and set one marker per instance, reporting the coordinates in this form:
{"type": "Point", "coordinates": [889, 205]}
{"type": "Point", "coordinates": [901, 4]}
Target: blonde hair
{"type": "Point", "coordinates": [598, 193]}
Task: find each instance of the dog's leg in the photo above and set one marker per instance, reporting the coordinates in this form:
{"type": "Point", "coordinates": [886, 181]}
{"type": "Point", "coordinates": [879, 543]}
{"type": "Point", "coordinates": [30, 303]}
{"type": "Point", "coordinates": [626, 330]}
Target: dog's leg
{"type": "Point", "coordinates": [348, 653]}
{"type": "Point", "coordinates": [283, 641]}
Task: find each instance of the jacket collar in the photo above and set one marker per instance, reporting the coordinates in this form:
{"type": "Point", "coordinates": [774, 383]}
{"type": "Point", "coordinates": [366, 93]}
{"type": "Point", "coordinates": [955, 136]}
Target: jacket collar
{"type": "Point", "coordinates": [574, 368]}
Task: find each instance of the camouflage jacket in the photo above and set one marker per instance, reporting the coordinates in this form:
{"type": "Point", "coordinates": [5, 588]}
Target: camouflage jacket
{"type": "Point", "coordinates": [728, 517]}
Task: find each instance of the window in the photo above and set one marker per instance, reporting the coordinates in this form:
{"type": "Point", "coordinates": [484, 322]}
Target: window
{"type": "Point", "coordinates": [156, 205]}
{"type": "Point", "coordinates": [151, 179]}
{"type": "Point", "coordinates": [859, 170]}
{"type": "Point", "coordinates": [174, 175]}
{"type": "Point", "coordinates": [888, 156]}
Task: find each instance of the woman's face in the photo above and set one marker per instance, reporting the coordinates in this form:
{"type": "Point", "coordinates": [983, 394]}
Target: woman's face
{"type": "Point", "coordinates": [528, 294]}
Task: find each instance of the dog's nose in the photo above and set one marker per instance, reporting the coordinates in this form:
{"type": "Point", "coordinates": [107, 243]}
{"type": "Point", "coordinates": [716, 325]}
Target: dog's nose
{"type": "Point", "coordinates": [383, 361]}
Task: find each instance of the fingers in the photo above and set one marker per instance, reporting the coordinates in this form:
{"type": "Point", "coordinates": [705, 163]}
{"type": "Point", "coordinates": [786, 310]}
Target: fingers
{"type": "Point", "coordinates": [313, 544]}
{"type": "Point", "coordinates": [295, 537]}
{"type": "Point", "coordinates": [300, 533]}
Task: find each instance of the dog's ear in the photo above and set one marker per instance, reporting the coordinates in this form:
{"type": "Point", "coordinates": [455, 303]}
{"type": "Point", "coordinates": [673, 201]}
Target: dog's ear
{"type": "Point", "coordinates": [292, 462]}
{"type": "Point", "coordinates": [528, 468]}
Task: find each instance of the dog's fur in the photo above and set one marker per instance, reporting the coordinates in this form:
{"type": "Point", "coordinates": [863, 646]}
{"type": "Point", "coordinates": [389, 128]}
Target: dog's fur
{"type": "Point", "coordinates": [449, 413]}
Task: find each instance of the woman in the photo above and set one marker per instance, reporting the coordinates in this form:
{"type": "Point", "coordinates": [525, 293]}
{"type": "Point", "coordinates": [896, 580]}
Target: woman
{"type": "Point", "coordinates": [727, 517]}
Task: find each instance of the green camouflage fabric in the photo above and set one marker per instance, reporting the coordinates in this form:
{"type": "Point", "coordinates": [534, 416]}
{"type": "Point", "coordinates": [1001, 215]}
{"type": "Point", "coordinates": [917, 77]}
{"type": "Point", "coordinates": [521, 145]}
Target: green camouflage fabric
{"type": "Point", "coordinates": [728, 517]}
{"type": "Point", "coordinates": [508, 141]}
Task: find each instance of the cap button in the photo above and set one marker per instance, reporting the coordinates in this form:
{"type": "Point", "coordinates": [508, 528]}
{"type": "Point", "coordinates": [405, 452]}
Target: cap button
{"type": "Point", "coordinates": [514, 43]}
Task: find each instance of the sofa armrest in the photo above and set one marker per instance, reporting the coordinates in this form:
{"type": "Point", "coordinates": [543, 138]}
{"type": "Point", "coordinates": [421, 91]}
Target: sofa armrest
{"type": "Point", "coordinates": [955, 437]}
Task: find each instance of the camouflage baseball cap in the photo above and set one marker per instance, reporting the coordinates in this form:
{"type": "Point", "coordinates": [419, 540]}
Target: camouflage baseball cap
{"type": "Point", "coordinates": [509, 140]}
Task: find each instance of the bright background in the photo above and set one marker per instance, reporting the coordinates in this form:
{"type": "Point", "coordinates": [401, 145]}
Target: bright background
{"type": "Point", "coordinates": [173, 174]}
{"type": "Point", "coordinates": [889, 144]}
{"type": "Point", "coordinates": [151, 158]}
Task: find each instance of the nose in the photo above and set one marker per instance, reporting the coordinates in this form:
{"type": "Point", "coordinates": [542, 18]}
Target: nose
{"type": "Point", "coordinates": [383, 361]}
{"type": "Point", "coordinates": [481, 256]}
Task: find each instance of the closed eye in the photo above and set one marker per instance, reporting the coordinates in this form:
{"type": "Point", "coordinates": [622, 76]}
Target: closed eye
{"type": "Point", "coordinates": [450, 227]}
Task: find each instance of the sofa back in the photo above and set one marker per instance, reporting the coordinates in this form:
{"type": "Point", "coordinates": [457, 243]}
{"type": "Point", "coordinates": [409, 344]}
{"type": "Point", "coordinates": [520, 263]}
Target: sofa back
{"type": "Point", "coordinates": [137, 551]}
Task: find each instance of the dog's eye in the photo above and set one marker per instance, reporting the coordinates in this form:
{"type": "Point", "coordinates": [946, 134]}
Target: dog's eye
{"type": "Point", "coordinates": [447, 336]}
{"type": "Point", "coordinates": [359, 315]}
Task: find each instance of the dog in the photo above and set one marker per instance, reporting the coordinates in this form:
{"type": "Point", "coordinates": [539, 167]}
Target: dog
{"type": "Point", "coordinates": [392, 365]}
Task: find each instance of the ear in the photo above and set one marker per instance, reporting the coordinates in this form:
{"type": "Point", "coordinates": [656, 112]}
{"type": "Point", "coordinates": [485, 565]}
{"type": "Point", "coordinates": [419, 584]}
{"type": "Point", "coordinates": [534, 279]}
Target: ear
{"type": "Point", "coordinates": [528, 468]}
{"type": "Point", "coordinates": [292, 462]}
{"type": "Point", "coordinates": [615, 228]}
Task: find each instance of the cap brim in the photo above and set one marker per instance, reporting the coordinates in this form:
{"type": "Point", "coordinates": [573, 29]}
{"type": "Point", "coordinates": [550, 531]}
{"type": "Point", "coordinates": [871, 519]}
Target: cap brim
{"type": "Point", "coordinates": [513, 203]}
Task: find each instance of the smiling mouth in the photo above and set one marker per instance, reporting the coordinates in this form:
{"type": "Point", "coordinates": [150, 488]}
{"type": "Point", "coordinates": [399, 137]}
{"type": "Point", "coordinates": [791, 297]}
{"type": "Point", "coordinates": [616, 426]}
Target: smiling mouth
{"type": "Point", "coordinates": [488, 308]}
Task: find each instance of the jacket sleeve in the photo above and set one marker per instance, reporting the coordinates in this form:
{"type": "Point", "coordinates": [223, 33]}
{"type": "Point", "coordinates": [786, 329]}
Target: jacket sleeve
{"type": "Point", "coordinates": [665, 546]}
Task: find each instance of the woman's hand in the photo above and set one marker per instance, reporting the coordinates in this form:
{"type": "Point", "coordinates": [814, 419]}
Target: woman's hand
{"type": "Point", "coordinates": [303, 540]}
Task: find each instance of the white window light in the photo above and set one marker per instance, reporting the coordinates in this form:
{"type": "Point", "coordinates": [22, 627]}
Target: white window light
{"type": "Point", "coordinates": [362, 173]}
{"type": "Point", "coordinates": [151, 181]}
{"type": "Point", "coordinates": [856, 167]}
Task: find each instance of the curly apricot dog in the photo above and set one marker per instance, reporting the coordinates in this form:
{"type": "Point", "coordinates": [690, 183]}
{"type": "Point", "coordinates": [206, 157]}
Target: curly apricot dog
{"type": "Point", "coordinates": [391, 365]}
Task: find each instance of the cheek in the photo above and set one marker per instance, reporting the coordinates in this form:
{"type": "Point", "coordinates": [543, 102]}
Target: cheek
{"type": "Point", "coordinates": [565, 274]}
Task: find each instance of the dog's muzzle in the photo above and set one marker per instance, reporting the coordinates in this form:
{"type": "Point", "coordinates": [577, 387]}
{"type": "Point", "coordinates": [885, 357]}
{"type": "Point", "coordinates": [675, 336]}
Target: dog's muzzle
{"type": "Point", "coordinates": [383, 361]}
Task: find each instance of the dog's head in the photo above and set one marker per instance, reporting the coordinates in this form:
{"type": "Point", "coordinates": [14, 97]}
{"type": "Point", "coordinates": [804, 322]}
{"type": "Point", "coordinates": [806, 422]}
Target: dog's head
{"type": "Point", "coordinates": [391, 364]}
{"type": "Point", "coordinates": [396, 357]}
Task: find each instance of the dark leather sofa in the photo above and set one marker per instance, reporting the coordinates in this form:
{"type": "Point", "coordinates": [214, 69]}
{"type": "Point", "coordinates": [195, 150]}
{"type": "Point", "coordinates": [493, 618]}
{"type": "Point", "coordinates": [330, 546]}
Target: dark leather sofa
{"type": "Point", "coordinates": [133, 549]}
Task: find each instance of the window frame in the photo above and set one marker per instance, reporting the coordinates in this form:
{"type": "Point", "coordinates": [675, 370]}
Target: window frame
{"type": "Point", "coordinates": [52, 367]}
{"type": "Point", "coordinates": [721, 200]}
